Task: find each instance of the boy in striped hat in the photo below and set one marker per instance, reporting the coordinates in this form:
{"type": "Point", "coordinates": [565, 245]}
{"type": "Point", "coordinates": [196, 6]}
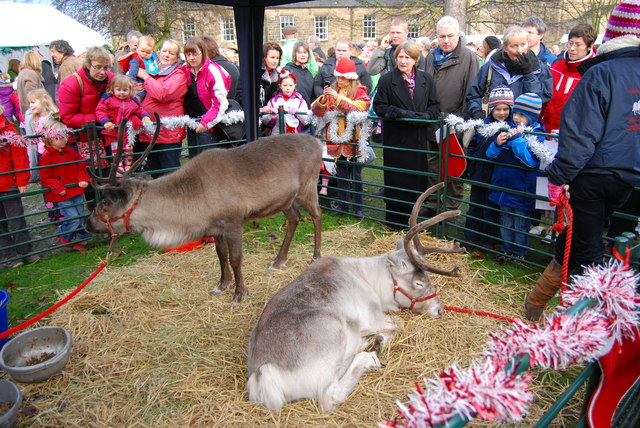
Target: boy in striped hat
{"type": "Point", "coordinates": [511, 151]}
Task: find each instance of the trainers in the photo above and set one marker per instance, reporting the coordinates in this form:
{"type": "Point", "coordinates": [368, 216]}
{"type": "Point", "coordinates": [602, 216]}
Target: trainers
{"type": "Point", "coordinates": [536, 230]}
{"type": "Point", "coordinates": [502, 258]}
{"type": "Point", "coordinates": [12, 264]}
{"type": "Point", "coordinates": [63, 241]}
{"type": "Point", "coordinates": [30, 259]}
{"type": "Point", "coordinates": [78, 246]}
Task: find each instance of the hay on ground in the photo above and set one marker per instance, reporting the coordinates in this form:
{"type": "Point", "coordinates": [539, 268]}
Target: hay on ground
{"type": "Point", "coordinates": [152, 348]}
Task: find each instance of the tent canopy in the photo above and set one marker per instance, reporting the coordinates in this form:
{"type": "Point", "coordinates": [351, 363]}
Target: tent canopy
{"type": "Point", "coordinates": [249, 19]}
{"type": "Point", "coordinates": [26, 25]}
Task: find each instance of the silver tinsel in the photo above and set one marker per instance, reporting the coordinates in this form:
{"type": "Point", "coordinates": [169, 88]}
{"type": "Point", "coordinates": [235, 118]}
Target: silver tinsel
{"type": "Point", "coordinates": [354, 118]}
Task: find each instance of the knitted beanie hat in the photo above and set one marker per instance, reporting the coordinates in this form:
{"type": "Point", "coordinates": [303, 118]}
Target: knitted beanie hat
{"type": "Point", "coordinates": [346, 68]}
{"type": "Point", "coordinates": [624, 20]}
{"type": "Point", "coordinates": [528, 104]}
{"type": "Point", "coordinates": [500, 95]}
{"type": "Point", "coordinates": [493, 42]}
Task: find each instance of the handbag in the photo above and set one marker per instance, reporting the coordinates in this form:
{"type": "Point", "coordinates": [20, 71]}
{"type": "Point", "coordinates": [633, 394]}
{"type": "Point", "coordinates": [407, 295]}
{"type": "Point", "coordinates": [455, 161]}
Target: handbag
{"type": "Point", "coordinates": [369, 154]}
{"type": "Point", "coordinates": [485, 98]}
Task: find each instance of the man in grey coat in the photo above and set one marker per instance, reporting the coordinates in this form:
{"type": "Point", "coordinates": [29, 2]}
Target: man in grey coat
{"type": "Point", "coordinates": [453, 68]}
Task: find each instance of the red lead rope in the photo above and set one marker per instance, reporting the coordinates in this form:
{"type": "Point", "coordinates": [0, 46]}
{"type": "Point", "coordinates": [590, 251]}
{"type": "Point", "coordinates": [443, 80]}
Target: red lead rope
{"type": "Point", "coordinates": [565, 220]}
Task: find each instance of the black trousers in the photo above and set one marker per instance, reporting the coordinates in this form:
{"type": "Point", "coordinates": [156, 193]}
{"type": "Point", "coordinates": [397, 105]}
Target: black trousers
{"type": "Point", "coordinates": [593, 198]}
{"type": "Point", "coordinates": [10, 208]}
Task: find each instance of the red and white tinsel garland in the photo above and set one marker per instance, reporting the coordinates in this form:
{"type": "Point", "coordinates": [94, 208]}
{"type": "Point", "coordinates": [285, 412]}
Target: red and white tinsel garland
{"type": "Point", "coordinates": [492, 392]}
{"type": "Point", "coordinates": [487, 130]}
{"type": "Point", "coordinates": [23, 141]}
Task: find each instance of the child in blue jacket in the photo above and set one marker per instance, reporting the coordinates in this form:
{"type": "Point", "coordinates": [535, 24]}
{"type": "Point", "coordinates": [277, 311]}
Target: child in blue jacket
{"type": "Point", "coordinates": [512, 148]}
{"type": "Point", "coordinates": [482, 216]}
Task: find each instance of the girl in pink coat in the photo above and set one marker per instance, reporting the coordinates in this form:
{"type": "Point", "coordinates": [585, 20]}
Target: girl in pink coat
{"type": "Point", "coordinates": [119, 103]}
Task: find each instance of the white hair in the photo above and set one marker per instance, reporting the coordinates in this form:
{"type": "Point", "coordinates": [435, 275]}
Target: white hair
{"type": "Point", "coordinates": [448, 21]}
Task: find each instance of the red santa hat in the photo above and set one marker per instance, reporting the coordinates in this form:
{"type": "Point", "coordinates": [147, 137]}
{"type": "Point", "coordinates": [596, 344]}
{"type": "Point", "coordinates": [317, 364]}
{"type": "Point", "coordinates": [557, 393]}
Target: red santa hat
{"type": "Point", "coordinates": [286, 73]}
{"type": "Point", "coordinates": [346, 68]}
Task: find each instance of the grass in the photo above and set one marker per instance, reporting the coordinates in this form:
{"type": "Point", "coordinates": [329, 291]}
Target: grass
{"type": "Point", "coordinates": [33, 288]}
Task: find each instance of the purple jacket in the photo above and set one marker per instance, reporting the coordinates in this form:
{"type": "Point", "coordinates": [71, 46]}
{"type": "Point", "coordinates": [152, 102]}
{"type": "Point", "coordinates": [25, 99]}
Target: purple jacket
{"type": "Point", "coordinates": [6, 90]}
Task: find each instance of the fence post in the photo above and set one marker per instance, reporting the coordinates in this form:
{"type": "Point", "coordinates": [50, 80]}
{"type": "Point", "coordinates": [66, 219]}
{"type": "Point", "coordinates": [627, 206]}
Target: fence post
{"type": "Point", "coordinates": [281, 125]}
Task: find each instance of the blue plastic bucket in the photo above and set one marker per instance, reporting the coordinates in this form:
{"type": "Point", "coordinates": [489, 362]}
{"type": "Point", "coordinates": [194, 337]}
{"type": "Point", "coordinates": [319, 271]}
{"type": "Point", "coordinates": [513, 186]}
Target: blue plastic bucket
{"type": "Point", "coordinates": [4, 318]}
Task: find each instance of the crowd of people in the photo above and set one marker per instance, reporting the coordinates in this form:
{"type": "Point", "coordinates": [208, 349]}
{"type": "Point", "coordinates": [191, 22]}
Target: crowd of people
{"type": "Point", "coordinates": [516, 80]}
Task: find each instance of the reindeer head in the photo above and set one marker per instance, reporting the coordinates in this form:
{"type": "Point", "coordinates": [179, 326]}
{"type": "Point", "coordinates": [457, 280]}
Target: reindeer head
{"type": "Point", "coordinates": [414, 291]}
{"type": "Point", "coordinates": [118, 195]}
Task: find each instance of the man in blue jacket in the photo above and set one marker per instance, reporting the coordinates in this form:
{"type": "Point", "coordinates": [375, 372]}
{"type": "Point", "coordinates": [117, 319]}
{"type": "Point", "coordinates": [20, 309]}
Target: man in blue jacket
{"type": "Point", "coordinates": [535, 26]}
{"type": "Point", "coordinates": [599, 150]}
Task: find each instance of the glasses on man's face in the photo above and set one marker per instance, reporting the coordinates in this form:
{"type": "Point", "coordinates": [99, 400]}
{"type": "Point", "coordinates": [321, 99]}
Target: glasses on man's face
{"type": "Point", "coordinates": [100, 68]}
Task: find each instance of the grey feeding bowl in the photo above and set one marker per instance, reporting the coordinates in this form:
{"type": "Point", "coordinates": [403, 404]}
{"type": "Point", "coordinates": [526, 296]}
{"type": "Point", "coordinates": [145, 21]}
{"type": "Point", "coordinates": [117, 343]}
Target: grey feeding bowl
{"type": "Point", "coordinates": [9, 393]}
{"type": "Point", "coordinates": [31, 345]}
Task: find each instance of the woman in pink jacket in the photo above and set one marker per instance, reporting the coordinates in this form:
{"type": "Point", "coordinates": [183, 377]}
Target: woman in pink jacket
{"type": "Point", "coordinates": [165, 96]}
{"type": "Point", "coordinates": [206, 98]}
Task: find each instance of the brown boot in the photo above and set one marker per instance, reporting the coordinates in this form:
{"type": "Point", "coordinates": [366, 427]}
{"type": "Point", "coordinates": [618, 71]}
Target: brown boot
{"type": "Point", "coordinates": [546, 286]}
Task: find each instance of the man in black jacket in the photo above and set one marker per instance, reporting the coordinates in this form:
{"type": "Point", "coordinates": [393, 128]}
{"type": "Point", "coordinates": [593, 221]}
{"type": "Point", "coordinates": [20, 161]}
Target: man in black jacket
{"type": "Point", "coordinates": [598, 152]}
{"type": "Point", "coordinates": [325, 73]}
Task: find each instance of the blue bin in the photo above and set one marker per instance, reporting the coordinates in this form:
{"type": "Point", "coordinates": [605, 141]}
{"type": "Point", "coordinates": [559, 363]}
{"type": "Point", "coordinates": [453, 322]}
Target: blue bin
{"type": "Point", "coordinates": [4, 318]}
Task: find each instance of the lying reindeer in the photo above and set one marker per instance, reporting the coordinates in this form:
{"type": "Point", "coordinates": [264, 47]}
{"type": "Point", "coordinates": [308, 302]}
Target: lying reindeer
{"type": "Point", "coordinates": [214, 194]}
{"type": "Point", "coordinates": [309, 340]}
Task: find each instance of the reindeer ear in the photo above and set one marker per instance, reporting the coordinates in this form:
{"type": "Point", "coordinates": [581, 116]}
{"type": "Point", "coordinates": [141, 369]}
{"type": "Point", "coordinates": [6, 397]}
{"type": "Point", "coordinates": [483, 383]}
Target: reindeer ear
{"type": "Point", "coordinates": [397, 263]}
{"type": "Point", "coordinates": [399, 244]}
{"type": "Point", "coordinates": [114, 195]}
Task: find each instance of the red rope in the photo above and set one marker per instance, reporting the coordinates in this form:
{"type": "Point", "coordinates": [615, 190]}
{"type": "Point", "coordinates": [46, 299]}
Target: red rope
{"type": "Point", "coordinates": [565, 220]}
{"type": "Point", "coordinates": [54, 307]}
{"type": "Point", "coordinates": [481, 313]}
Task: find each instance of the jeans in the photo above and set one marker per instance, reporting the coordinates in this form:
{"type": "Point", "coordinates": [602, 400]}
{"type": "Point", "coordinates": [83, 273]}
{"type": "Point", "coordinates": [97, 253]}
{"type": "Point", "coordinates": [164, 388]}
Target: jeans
{"type": "Point", "coordinates": [164, 156]}
{"type": "Point", "coordinates": [509, 218]}
{"type": "Point", "coordinates": [199, 142]}
{"type": "Point", "coordinates": [484, 217]}
{"type": "Point", "coordinates": [9, 209]}
{"type": "Point", "coordinates": [593, 198]}
{"type": "Point", "coordinates": [73, 211]}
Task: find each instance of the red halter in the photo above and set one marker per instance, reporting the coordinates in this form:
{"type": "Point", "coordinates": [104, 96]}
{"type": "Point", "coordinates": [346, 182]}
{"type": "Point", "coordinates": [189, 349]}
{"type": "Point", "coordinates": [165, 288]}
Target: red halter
{"type": "Point", "coordinates": [109, 221]}
{"type": "Point", "coordinates": [397, 288]}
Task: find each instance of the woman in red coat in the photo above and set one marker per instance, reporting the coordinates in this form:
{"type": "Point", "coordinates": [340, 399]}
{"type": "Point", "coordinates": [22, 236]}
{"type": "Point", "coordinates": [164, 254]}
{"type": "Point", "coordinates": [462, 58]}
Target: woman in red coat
{"type": "Point", "coordinates": [78, 97]}
{"type": "Point", "coordinates": [165, 96]}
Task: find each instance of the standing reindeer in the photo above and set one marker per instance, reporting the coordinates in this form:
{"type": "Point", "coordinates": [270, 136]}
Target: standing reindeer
{"type": "Point", "coordinates": [309, 340]}
{"type": "Point", "coordinates": [214, 194]}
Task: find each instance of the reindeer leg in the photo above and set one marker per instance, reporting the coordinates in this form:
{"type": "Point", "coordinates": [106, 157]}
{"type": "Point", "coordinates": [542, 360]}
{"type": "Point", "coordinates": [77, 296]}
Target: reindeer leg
{"type": "Point", "coordinates": [234, 242]}
{"type": "Point", "coordinates": [293, 218]}
{"type": "Point", "coordinates": [226, 278]}
{"type": "Point", "coordinates": [339, 390]}
{"type": "Point", "coordinates": [309, 202]}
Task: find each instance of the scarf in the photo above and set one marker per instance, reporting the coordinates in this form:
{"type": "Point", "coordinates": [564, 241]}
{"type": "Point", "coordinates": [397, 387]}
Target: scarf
{"type": "Point", "coordinates": [410, 80]}
{"type": "Point", "coordinates": [440, 57]}
{"type": "Point", "coordinates": [166, 70]}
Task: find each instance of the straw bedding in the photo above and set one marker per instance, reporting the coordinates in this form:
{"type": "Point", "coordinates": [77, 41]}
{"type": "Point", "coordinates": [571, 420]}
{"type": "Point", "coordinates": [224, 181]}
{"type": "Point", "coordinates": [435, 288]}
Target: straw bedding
{"type": "Point", "coordinates": [153, 349]}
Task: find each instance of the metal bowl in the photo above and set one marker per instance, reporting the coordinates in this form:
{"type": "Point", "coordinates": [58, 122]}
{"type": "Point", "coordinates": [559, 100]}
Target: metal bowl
{"type": "Point", "coordinates": [32, 345]}
{"type": "Point", "coordinates": [9, 393]}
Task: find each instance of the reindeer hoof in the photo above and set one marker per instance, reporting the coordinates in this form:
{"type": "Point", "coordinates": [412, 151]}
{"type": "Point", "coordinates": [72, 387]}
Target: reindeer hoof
{"type": "Point", "coordinates": [238, 297]}
{"type": "Point", "coordinates": [215, 291]}
{"type": "Point", "coordinates": [276, 265]}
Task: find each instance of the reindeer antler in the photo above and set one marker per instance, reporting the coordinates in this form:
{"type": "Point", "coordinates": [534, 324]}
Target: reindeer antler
{"type": "Point", "coordinates": [412, 235]}
{"type": "Point", "coordinates": [146, 152]}
{"type": "Point", "coordinates": [118, 154]}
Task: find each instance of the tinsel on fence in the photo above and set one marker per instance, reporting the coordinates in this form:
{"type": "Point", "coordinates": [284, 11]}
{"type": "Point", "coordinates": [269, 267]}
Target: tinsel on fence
{"type": "Point", "coordinates": [173, 122]}
{"type": "Point", "coordinates": [487, 130]}
{"type": "Point", "coordinates": [491, 390]}
{"type": "Point", "coordinates": [23, 141]}
{"type": "Point", "coordinates": [354, 118]}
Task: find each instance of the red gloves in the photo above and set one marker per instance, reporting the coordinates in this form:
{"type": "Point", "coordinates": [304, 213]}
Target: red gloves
{"type": "Point", "coordinates": [136, 123]}
{"type": "Point", "coordinates": [554, 191]}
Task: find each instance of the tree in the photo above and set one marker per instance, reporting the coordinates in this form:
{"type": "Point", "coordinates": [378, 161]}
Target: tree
{"type": "Point", "coordinates": [117, 17]}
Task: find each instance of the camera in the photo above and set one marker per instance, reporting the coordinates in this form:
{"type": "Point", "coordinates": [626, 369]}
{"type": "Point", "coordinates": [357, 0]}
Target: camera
{"type": "Point", "coordinates": [327, 83]}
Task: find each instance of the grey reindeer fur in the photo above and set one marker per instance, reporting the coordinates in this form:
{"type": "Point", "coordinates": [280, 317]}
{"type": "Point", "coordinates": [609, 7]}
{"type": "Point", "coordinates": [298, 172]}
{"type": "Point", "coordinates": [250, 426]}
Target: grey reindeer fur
{"type": "Point", "coordinates": [215, 193]}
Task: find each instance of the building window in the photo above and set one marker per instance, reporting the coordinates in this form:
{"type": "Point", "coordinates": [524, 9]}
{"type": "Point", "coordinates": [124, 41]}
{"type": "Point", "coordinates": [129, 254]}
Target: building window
{"type": "Point", "coordinates": [285, 21]}
{"type": "Point", "coordinates": [188, 29]}
{"type": "Point", "coordinates": [321, 27]}
{"type": "Point", "coordinates": [228, 29]}
{"type": "Point", "coordinates": [414, 28]}
{"type": "Point", "coordinates": [369, 27]}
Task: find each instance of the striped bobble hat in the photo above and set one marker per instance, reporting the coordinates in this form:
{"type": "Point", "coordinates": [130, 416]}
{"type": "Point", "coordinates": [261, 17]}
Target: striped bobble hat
{"type": "Point", "coordinates": [528, 104]}
{"type": "Point", "coordinates": [500, 95]}
{"type": "Point", "coordinates": [624, 20]}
